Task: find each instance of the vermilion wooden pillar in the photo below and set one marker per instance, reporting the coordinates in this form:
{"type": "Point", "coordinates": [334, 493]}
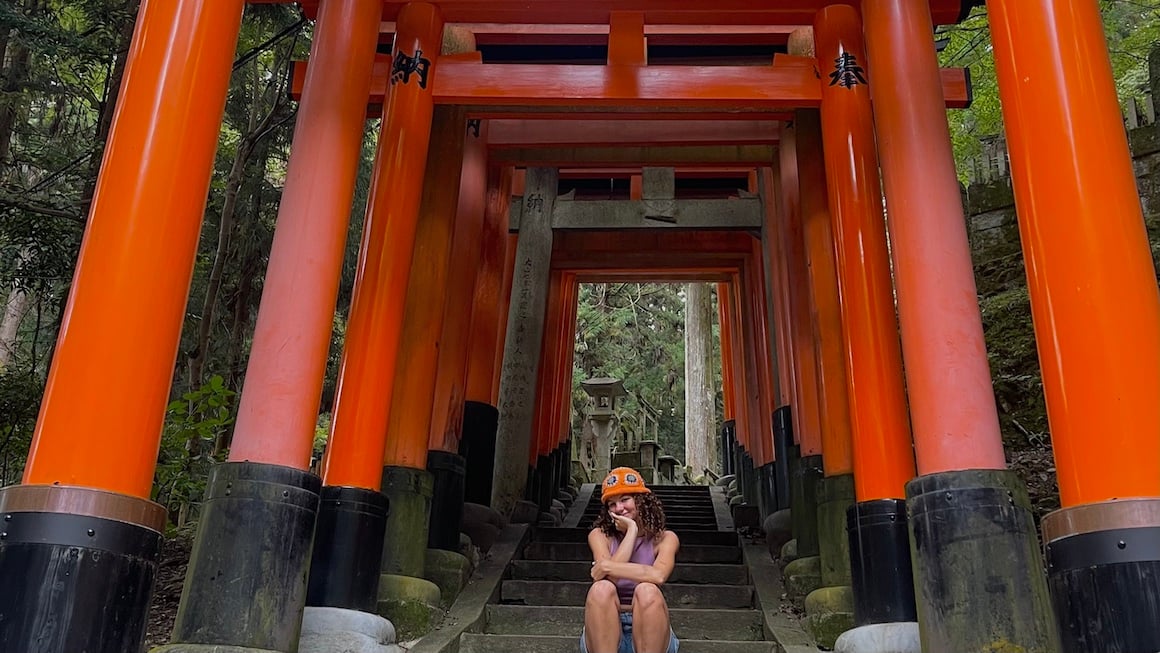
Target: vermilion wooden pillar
{"type": "Point", "coordinates": [480, 414]}
{"type": "Point", "coordinates": [1097, 318]}
{"type": "Point", "coordinates": [543, 438]}
{"type": "Point", "coordinates": [825, 302]}
{"type": "Point", "coordinates": [883, 457]}
{"type": "Point", "coordinates": [90, 469]}
{"type": "Point", "coordinates": [959, 453]}
{"type": "Point", "coordinates": [373, 337]}
{"type": "Point", "coordinates": [274, 434]}
{"type": "Point", "coordinates": [375, 330]}
{"type": "Point", "coordinates": [807, 420]}
{"type": "Point", "coordinates": [406, 481]}
{"type": "Point", "coordinates": [777, 297]}
{"type": "Point", "coordinates": [806, 416]}
{"type": "Point", "coordinates": [744, 390]}
{"type": "Point", "coordinates": [729, 442]}
{"type": "Point", "coordinates": [564, 421]}
{"type": "Point", "coordinates": [445, 460]}
{"type": "Point", "coordinates": [835, 491]}
{"type": "Point", "coordinates": [767, 390]}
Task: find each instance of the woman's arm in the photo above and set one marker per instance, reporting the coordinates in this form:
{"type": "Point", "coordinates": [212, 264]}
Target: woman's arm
{"type": "Point", "coordinates": [657, 573]}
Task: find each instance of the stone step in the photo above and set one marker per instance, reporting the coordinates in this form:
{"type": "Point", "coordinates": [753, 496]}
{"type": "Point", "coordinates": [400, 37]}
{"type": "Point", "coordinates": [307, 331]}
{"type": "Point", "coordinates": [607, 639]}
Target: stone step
{"type": "Point", "coordinates": [562, 593]}
{"type": "Point", "coordinates": [580, 551]}
{"type": "Point", "coordinates": [720, 538]}
{"type": "Point", "coordinates": [475, 643]}
{"type": "Point", "coordinates": [688, 624]}
{"type": "Point", "coordinates": [670, 513]}
{"type": "Point", "coordinates": [578, 570]}
{"type": "Point", "coordinates": [673, 524]}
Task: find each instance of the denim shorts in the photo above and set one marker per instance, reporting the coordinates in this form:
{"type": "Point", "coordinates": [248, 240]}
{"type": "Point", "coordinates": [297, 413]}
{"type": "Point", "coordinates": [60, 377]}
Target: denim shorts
{"type": "Point", "coordinates": [626, 637]}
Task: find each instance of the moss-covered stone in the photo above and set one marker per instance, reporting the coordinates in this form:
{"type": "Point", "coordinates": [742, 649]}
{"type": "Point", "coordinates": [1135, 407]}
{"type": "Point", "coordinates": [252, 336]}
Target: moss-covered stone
{"type": "Point", "coordinates": [449, 571]}
{"type": "Point", "coordinates": [411, 604]}
{"type": "Point", "coordinates": [789, 553]}
{"type": "Point", "coordinates": [835, 496]}
{"type": "Point", "coordinates": [802, 576]}
{"type": "Point", "coordinates": [829, 613]}
{"type": "Point", "coordinates": [409, 491]}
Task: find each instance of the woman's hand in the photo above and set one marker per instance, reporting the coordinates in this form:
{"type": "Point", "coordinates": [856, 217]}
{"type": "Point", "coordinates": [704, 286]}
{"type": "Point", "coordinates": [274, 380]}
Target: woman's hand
{"type": "Point", "coordinates": [599, 570]}
{"type": "Point", "coordinates": [623, 524]}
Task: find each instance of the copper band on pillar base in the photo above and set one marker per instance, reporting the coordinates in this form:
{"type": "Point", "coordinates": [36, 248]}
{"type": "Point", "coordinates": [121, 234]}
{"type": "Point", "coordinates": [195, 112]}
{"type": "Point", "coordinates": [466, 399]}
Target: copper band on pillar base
{"type": "Point", "coordinates": [85, 501]}
{"type": "Point", "coordinates": [1104, 516]}
{"type": "Point", "coordinates": [1103, 571]}
{"type": "Point", "coordinates": [81, 560]}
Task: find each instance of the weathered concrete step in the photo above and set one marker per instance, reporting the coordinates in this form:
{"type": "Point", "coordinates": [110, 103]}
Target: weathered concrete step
{"type": "Point", "coordinates": [580, 551]}
{"type": "Point", "coordinates": [720, 538]}
{"type": "Point", "coordinates": [473, 643]}
{"type": "Point", "coordinates": [688, 624]}
{"type": "Point", "coordinates": [680, 513]}
{"type": "Point", "coordinates": [579, 570]}
{"type": "Point", "coordinates": [557, 593]}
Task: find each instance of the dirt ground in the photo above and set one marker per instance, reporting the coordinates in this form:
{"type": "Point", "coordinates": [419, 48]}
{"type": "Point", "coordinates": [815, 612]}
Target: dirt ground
{"type": "Point", "coordinates": [167, 592]}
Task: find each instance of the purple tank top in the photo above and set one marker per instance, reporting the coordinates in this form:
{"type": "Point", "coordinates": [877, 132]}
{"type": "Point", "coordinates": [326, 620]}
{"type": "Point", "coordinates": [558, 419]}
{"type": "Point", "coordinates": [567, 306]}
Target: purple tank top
{"type": "Point", "coordinates": [643, 553]}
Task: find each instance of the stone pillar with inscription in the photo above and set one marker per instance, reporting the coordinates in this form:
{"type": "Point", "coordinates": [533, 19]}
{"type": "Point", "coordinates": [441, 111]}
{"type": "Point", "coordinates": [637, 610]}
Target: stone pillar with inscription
{"type": "Point", "coordinates": [525, 332]}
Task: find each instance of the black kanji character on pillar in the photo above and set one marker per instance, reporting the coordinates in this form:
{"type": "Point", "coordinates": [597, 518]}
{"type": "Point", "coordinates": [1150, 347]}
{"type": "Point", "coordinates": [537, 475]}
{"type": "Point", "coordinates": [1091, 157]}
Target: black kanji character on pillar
{"type": "Point", "coordinates": [405, 66]}
{"type": "Point", "coordinates": [535, 203]}
{"type": "Point", "coordinates": [847, 73]}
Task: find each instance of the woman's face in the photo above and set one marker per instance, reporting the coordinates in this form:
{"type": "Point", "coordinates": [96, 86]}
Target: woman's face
{"type": "Point", "coordinates": [623, 506]}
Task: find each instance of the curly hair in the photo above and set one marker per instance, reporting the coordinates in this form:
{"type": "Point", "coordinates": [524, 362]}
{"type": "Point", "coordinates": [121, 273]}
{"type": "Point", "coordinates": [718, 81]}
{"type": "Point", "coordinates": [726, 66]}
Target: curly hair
{"type": "Point", "coordinates": [651, 513]}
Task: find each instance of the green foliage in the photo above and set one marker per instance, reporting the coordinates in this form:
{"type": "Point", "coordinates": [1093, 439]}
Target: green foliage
{"type": "Point", "coordinates": [634, 332]}
{"type": "Point", "coordinates": [1132, 28]}
{"type": "Point", "coordinates": [1015, 373]}
{"type": "Point", "coordinates": [19, 404]}
{"type": "Point", "coordinates": [193, 424]}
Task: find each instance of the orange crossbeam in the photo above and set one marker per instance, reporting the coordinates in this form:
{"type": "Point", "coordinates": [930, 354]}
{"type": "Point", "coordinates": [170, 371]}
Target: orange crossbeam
{"type": "Point", "coordinates": [499, 90]}
{"type": "Point", "coordinates": [597, 34]}
{"type": "Point", "coordinates": [510, 133]}
{"type": "Point", "coordinates": [656, 12]}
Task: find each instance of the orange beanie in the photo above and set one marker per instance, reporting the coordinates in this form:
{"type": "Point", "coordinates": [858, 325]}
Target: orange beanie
{"type": "Point", "coordinates": [620, 481]}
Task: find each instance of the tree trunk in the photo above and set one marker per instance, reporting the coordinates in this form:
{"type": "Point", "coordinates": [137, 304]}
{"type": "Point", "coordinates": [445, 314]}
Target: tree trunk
{"type": "Point", "coordinates": [700, 418]}
{"type": "Point", "coordinates": [255, 130]}
{"type": "Point", "coordinates": [15, 307]}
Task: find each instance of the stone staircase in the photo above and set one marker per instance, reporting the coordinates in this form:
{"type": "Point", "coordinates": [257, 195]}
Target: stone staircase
{"type": "Point", "coordinates": [712, 603]}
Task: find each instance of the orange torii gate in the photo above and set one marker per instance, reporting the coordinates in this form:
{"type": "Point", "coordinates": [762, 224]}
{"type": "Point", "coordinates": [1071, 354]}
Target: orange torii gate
{"type": "Point", "coordinates": [80, 525]}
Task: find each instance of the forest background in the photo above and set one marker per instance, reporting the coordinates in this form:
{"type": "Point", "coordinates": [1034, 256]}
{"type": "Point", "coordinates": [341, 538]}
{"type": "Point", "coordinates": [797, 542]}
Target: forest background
{"type": "Point", "coordinates": [62, 65]}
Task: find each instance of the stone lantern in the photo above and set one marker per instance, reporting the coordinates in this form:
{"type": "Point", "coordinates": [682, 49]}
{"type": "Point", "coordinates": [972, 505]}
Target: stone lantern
{"type": "Point", "coordinates": [601, 425]}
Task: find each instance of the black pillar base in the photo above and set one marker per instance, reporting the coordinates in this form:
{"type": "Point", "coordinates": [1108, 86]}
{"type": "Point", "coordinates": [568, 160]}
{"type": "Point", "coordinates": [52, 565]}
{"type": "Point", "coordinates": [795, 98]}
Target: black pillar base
{"type": "Point", "coordinates": [477, 445]}
{"type": "Point", "coordinates": [348, 545]}
{"type": "Point", "coordinates": [546, 485]}
{"type": "Point", "coordinates": [405, 545]}
{"type": "Point", "coordinates": [782, 443]}
{"type": "Point", "coordinates": [752, 482]}
{"type": "Point", "coordinates": [564, 466]}
{"type": "Point", "coordinates": [532, 486]}
{"type": "Point", "coordinates": [246, 584]}
{"type": "Point", "coordinates": [767, 489]}
{"type": "Point", "coordinates": [804, 506]}
{"type": "Point", "coordinates": [1105, 584]}
{"type": "Point", "coordinates": [742, 472]}
{"type": "Point", "coordinates": [978, 569]}
{"type": "Point", "coordinates": [728, 449]}
{"type": "Point", "coordinates": [74, 582]}
{"type": "Point", "coordinates": [880, 562]}
{"type": "Point", "coordinates": [448, 471]}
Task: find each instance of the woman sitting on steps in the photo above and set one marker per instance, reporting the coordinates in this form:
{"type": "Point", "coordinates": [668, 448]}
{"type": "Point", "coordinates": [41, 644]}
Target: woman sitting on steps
{"type": "Point", "coordinates": [632, 556]}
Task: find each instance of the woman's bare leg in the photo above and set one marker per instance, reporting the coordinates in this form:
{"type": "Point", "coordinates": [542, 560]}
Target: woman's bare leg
{"type": "Point", "coordinates": [601, 621]}
{"type": "Point", "coordinates": [650, 619]}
